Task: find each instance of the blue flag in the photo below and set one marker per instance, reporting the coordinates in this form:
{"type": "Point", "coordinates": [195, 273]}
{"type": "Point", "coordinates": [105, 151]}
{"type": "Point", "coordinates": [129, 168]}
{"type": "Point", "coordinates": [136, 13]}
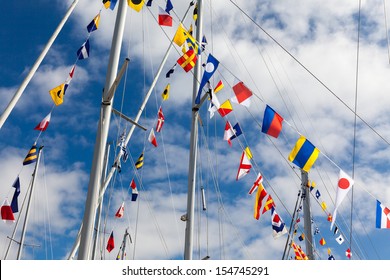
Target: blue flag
{"type": "Point", "coordinates": [83, 51]}
{"type": "Point", "coordinates": [169, 6]}
{"type": "Point", "coordinates": [209, 69]}
{"type": "Point", "coordinates": [14, 202]}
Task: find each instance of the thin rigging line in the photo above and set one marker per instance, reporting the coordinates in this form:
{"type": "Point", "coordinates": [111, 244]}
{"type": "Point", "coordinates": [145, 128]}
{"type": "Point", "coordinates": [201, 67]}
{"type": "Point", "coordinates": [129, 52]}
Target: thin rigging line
{"type": "Point", "coordinates": [311, 73]}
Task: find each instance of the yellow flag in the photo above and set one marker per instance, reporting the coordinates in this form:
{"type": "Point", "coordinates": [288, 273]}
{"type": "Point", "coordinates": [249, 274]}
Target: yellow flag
{"type": "Point", "coordinates": [136, 4]}
{"type": "Point", "coordinates": [323, 205]}
{"type": "Point", "coordinates": [57, 94]}
{"type": "Point", "coordinates": [165, 94]}
{"type": "Point", "coordinates": [180, 35]}
{"type": "Point", "coordinates": [248, 153]}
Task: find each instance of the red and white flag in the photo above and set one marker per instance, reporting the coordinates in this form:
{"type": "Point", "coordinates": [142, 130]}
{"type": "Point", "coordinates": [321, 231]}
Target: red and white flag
{"type": "Point", "coordinates": [44, 123]}
{"type": "Point", "coordinates": [245, 166]}
{"type": "Point", "coordinates": [164, 18]}
{"type": "Point", "coordinates": [152, 138]}
{"type": "Point", "coordinates": [348, 253]}
{"type": "Point", "coordinates": [6, 213]}
{"type": "Point", "coordinates": [110, 242]}
{"type": "Point", "coordinates": [344, 184]}
{"type": "Point", "coordinates": [228, 133]}
{"type": "Point", "coordinates": [121, 210]}
{"type": "Point", "coordinates": [160, 120]}
{"type": "Point", "coordinates": [256, 184]}
{"type": "Point", "coordinates": [242, 94]}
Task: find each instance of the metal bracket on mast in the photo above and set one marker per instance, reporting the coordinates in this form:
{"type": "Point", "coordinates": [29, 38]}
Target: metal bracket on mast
{"type": "Point", "coordinates": [116, 112]}
{"type": "Point", "coordinates": [111, 91]}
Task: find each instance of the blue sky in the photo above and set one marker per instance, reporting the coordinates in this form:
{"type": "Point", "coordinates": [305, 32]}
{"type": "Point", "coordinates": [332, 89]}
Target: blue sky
{"type": "Point", "coordinates": [325, 43]}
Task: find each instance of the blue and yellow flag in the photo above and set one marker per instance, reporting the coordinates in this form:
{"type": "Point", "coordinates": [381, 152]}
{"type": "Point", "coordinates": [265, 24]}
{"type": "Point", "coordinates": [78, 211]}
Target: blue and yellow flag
{"type": "Point", "coordinates": [31, 156]}
{"type": "Point", "coordinates": [94, 24]}
{"type": "Point", "coordinates": [304, 154]}
{"type": "Point", "coordinates": [109, 4]}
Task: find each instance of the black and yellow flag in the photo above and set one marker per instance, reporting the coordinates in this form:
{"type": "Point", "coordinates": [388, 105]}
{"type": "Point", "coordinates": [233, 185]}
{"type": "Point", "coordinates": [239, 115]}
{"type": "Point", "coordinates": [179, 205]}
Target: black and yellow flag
{"type": "Point", "coordinates": [165, 94]}
{"type": "Point", "coordinates": [57, 94]}
{"type": "Point", "coordinates": [136, 4]}
{"type": "Point", "coordinates": [140, 161]}
{"type": "Point", "coordinates": [31, 156]}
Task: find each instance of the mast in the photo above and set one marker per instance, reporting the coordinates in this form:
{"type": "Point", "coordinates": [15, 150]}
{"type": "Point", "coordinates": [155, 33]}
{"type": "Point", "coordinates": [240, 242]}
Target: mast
{"type": "Point", "coordinates": [34, 68]}
{"type": "Point", "coordinates": [101, 137]}
{"type": "Point", "coordinates": [307, 215]}
{"type": "Point", "coordinates": [189, 233]}
{"type": "Point", "coordinates": [28, 205]}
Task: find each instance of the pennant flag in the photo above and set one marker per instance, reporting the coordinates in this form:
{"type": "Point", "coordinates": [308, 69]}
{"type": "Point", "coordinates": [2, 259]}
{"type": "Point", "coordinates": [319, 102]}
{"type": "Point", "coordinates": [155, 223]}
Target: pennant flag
{"type": "Point", "coordinates": [6, 213]}
{"type": "Point", "coordinates": [256, 184]}
{"type": "Point", "coordinates": [140, 162]}
{"type": "Point", "coordinates": [219, 86]}
{"type": "Point", "coordinates": [110, 242]}
{"type": "Point", "coordinates": [304, 154]}
{"type": "Point", "coordinates": [343, 186]}
{"type": "Point", "coordinates": [260, 195]}
{"type": "Point", "coordinates": [382, 216]}
{"type": "Point", "coordinates": [152, 138]}
{"type": "Point", "coordinates": [31, 156]}
{"type": "Point", "coordinates": [134, 194]}
{"type": "Point", "coordinates": [94, 24]}
{"type": "Point", "coordinates": [180, 35]}
{"type": "Point", "coordinates": [228, 133]}
{"type": "Point", "coordinates": [187, 61]}
{"type": "Point", "coordinates": [169, 6]}
{"type": "Point", "coordinates": [242, 94]}
{"type": "Point", "coordinates": [301, 237]}
{"type": "Point", "coordinates": [340, 239]}
{"type": "Point", "coordinates": [323, 205]}
{"type": "Point", "coordinates": [237, 131]}
{"type": "Point", "coordinates": [119, 213]}
{"type": "Point", "coordinates": [160, 120]}
{"type": "Point", "coordinates": [318, 194]}
{"type": "Point", "coordinates": [278, 226]}
{"type": "Point", "coordinates": [272, 122]}
{"type": "Point", "coordinates": [165, 94]}
{"type": "Point", "coordinates": [164, 18]}
{"type": "Point", "coordinates": [109, 4]}
{"type": "Point", "coordinates": [133, 185]}
{"type": "Point", "coordinates": [268, 204]}
{"type": "Point", "coordinates": [14, 202]}
{"type": "Point", "coordinates": [299, 254]}
{"type": "Point", "coordinates": [149, 4]}
{"type": "Point", "coordinates": [83, 51]}
{"type": "Point", "coordinates": [170, 72]}
{"type": "Point", "coordinates": [44, 123]}
{"type": "Point", "coordinates": [209, 69]}
{"type": "Point", "coordinates": [136, 4]}
{"type": "Point", "coordinates": [57, 94]}
{"type": "Point", "coordinates": [225, 108]}
{"type": "Point", "coordinates": [244, 167]}
{"type": "Point", "coordinates": [348, 253]}
{"type": "Point", "coordinates": [322, 241]}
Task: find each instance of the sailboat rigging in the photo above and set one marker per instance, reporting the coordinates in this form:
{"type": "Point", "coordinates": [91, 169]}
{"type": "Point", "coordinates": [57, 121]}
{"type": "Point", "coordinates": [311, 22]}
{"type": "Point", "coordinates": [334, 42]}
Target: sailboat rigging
{"type": "Point", "coordinates": [261, 130]}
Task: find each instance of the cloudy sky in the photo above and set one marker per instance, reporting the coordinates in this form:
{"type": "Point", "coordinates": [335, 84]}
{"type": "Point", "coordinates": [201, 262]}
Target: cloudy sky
{"type": "Point", "coordinates": [306, 59]}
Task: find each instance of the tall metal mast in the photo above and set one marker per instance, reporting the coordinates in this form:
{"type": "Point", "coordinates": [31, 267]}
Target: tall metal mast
{"type": "Point", "coordinates": [20, 251]}
{"type": "Point", "coordinates": [101, 137]}
{"type": "Point", "coordinates": [34, 68]}
{"type": "Point", "coordinates": [188, 245]}
{"type": "Point", "coordinates": [307, 215]}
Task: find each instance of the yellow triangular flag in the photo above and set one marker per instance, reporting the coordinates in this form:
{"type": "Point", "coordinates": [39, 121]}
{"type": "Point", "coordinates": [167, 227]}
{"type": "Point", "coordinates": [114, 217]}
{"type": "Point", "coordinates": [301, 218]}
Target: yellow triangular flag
{"type": "Point", "coordinates": [57, 94]}
{"type": "Point", "coordinates": [165, 94]}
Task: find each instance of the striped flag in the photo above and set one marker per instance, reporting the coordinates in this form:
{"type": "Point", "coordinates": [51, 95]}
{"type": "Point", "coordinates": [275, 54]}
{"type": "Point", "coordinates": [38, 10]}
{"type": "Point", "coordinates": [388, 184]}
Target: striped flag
{"type": "Point", "coordinates": [260, 195]}
{"type": "Point", "coordinates": [244, 166]}
{"type": "Point", "coordinates": [83, 51]}
{"type": "Point", "coordinates": [44, 123]}
{"type": "Point", "coordinates": [31, 156]}
{"type": "Point", "coordinates": [152, 138]}
{"type": "Point", "coordinates": [188, 60]}
{"type": "Point", "coordinates": [6, 213]}
{"type": "Point", "coordinates": [382, 216]}
{"type": "Point", "coordinates": [140, 161]}
{"type": "Point", "coordinates": [268, 204]}
{"type": "Point", "coordinates": [160, 120]}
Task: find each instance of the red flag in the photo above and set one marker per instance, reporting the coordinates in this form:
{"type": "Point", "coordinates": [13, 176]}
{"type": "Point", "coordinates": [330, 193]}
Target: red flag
{"type": "Point", "coordinates": [228, 133]}
{"type": "Point", "coordinates": [44, 123]}
{"type": "Point", "coordinates": [6, 213]}
{"type": "Point", "coordinates": [110, 242]}
{"type": "Point", "coordinates": [152, 138]}
{"type": "Point", "coordinates": [242, 94]}
{"type": "Point", "coordinates": [119, 213]}
{"type": "Point", "coordinates": [164, 18]}
{"type": "Point", "coordinates": [160, 120]}
{"type": "Point", "coordinates": [133, 185]}
{"type": "Point", "coordinates": [348, 253]}
{"type": "Point", "coordinates": [187, 61]}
